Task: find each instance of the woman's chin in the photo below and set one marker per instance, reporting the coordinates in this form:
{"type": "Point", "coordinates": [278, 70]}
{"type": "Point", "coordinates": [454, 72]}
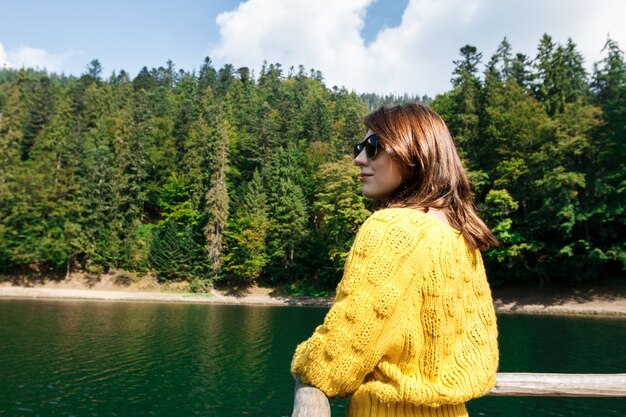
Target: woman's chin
{"type": "Point", "coordinates": [366, 192]}
{"type": "Point", "coordinates": [372, 194]}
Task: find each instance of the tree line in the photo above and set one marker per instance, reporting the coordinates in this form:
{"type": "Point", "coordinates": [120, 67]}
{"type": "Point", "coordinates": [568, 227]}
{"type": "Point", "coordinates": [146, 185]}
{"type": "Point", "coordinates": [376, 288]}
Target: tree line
{"type": "Point", "coordinates": [218, 175]}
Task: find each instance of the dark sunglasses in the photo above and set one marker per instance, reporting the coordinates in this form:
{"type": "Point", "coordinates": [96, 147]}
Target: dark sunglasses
{"type": "Point", "coordinates": [370, 144]}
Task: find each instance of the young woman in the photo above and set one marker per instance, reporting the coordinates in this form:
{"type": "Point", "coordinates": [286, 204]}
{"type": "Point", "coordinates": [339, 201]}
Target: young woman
{"type": "Point", "coordinates": [412, 330]}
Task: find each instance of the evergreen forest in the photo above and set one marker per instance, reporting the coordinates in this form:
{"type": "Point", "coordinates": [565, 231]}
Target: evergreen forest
{"type": "Point", "coordinates": [221, 175]}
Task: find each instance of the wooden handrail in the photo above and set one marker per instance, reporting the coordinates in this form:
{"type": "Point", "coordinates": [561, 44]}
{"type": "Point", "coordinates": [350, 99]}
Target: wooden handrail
{"type": "Point", "coordinates": [311, 402]}
{"type": "Point", "coordinates": [559, 385]}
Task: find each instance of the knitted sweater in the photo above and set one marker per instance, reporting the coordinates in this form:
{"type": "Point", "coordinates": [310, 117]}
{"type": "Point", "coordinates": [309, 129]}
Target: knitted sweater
{"type": "Point", "coordinates": [412, 329]}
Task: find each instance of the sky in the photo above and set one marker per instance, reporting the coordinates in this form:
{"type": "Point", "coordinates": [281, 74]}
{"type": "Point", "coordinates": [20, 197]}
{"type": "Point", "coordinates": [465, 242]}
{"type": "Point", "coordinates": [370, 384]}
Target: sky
{"type": "Point", "coordinates": [382, 46]}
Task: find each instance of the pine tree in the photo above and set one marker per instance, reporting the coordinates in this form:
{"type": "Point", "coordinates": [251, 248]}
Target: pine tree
{"type": "Point", "coordinates": [561, 77]}
{"type": "Point", "coordinates": [465, 97]}
{"type": "Point", "coordinates": [347, 128]}
{"type": "Point", "coordinates": [607, 176]}
{"type": "Point", "coordinates": [520, 70]}
{"type": "Point", "coordinates": [245, 237]}
{"type": "Point", "coordinates": [56, 156]}
{"type": "Point", "coordinates": [172, 252]}
{"type": "Point", "coordinates": [339, 210]}
{"type": "Point", "coordinates": [217, 201]}
{"type": "Point", "coordinates": [284, 176]}
{"type": "Point", "coordinates": [94, 70]}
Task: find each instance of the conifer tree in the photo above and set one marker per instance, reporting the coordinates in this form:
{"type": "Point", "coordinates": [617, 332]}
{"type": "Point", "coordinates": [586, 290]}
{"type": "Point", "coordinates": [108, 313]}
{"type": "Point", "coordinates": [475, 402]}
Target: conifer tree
{"type": "Point", "coordinates": [288, 211]}
{"type": "Point", "coordinates": [172, 252]}
{"type": "Point", "coordinates": [339, 209]}
{"type": "Point", "coordinates": [217, 200]}
{"type": "Point", "coordinates": [465, 97]}
{"type": "Point", "coordinates": [56, 160]}
{"type": "Point", "coordinates": [245, 237]}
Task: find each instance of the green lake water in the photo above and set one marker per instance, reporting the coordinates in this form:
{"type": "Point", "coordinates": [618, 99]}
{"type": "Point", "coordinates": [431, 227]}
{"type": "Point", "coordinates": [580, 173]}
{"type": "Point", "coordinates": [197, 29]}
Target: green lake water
{"type": "Point", "coordinates": [62, 358]}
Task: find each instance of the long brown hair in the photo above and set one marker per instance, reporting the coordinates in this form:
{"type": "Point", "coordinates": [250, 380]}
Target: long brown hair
{"type": "Point", "coordinates": [417, 138]}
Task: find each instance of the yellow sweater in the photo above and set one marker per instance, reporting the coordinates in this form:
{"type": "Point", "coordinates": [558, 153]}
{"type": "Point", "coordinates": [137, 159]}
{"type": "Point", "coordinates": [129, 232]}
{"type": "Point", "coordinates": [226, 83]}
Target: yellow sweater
{"type": "Point", "coordinates": [412, 330]}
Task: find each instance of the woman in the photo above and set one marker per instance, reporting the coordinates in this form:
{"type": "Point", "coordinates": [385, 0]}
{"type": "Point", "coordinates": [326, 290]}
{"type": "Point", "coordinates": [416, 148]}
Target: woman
{"type": "Point", "coordinates": [412, 330]}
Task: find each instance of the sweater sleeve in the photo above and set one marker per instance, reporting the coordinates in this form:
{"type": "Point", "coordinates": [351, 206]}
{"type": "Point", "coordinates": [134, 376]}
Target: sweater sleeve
{"type": "Point", "coordinates": [359, 327]}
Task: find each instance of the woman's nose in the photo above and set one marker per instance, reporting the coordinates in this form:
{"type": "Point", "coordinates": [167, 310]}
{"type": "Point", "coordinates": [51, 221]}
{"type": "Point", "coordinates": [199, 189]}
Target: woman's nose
{"type": "Point", "coordinates": [361, 159]}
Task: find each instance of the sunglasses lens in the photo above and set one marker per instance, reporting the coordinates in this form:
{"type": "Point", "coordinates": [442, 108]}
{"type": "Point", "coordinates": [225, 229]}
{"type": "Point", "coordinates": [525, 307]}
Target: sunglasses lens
{"type": "Point", "coordinates": [370, 145]}
{"type": "Point", "coordinates": [357, 149]}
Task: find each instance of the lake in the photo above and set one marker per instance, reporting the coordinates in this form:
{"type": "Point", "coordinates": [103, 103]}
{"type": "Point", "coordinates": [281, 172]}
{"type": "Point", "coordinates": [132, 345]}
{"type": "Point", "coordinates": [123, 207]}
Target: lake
{"type": "Point", "coordinates": [100, 358]}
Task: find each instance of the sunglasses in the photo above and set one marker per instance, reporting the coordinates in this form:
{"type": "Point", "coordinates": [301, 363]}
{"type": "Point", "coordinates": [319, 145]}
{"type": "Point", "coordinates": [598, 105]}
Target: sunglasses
{"type": "Point", "coordinates": [370, 144]}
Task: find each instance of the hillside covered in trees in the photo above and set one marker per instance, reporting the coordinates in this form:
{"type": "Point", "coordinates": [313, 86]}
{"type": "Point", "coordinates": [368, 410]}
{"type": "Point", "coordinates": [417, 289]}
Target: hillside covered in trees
{"type": "Point", "coordinates": [221, 175]}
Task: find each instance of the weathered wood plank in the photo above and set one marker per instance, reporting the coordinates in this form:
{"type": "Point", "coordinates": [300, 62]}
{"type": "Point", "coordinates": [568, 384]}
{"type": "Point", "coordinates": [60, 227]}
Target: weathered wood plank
{"type": "Point", "coordinates": [311, 402]}
{"type": "Point", "coordinates": [559, 385]}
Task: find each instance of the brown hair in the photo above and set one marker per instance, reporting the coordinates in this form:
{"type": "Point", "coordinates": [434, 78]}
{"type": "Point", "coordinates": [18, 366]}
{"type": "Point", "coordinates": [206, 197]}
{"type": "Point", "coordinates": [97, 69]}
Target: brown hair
{"type": "Point", "coordinates": [419, 141]}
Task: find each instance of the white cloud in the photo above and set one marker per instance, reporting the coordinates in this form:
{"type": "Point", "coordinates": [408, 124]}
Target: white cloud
{"type": "Point", "coordinates": [316, 34]}
{"type": "Point", "coordinates": [25, 56]}
{"type": "Point", "coordinates": [416, 56]}
{"type": "Point", "coordinates": [4, 59]}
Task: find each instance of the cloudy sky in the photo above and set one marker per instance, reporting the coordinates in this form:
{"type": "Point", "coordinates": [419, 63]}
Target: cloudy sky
{"type": "Point", "coordinates": [384, 46]}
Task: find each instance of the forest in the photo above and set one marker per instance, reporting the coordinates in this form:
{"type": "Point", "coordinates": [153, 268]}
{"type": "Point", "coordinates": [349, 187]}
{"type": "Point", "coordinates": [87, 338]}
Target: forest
{"type": "Point", "coordinates": [220, 175]}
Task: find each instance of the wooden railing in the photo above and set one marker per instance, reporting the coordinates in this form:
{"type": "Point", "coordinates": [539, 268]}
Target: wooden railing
{"type": "Point", "coordinates": [311, 402]}
{"type": "Point", "coordinates": [559, 385]}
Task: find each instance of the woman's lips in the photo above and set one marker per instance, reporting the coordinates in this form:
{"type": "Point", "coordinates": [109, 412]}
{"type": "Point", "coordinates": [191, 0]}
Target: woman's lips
{"type": "Point", "coordinates": [363, 176]}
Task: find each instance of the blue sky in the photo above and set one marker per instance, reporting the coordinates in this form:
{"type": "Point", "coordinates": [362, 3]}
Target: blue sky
{"type": "Point", "coordinates": [367, 45]}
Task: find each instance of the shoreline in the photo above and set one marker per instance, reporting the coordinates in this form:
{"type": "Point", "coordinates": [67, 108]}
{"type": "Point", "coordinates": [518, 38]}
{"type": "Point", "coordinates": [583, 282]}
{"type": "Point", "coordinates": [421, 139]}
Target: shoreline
{"type": "Point", "coordinates": [215, 297]}
{"type": "Point", "coordinates": [509, 301]}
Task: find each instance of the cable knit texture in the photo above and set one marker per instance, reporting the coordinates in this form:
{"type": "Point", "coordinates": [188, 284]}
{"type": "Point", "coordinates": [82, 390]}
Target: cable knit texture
{"type": "Point", "coordinates": [412, 330]}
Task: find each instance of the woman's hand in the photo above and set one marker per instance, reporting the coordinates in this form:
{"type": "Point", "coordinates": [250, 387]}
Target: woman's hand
{"type": "Point", "coordinates": [309, 401]}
